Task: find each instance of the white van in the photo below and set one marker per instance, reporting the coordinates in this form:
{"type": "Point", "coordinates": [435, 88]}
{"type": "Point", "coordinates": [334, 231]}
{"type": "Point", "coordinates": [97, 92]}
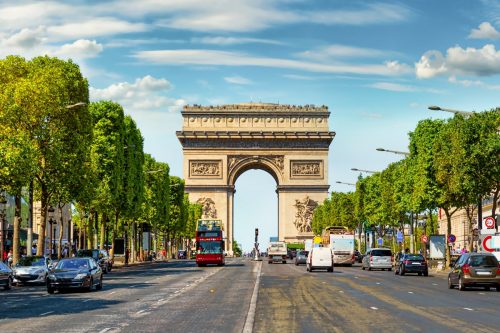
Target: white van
{"type": "Point", "coordinates": [320, 258]}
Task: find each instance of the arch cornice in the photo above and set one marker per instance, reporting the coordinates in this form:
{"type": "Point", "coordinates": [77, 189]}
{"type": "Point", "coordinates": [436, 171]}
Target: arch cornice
{"type": "Point", "coordinates": [238, 164]}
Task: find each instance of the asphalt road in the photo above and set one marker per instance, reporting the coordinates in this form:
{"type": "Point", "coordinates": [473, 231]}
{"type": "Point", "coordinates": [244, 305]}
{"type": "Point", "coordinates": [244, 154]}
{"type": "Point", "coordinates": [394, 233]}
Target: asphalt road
{"type": "Point", "coordinates": [180, 297]}
{"type": "Point", "coordinates": [353, 300]}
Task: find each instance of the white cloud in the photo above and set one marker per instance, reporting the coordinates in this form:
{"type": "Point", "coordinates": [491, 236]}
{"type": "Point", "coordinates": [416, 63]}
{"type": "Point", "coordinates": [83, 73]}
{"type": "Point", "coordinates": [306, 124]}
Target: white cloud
{"type": "Point", "coordinates": [473, 83]}
{"type": "Point", "coordinates": [469, 61]}
{"type": "Point", "coordinates": [237, 80]}
{"type": "Point", "coordinates": [95, 27]}
{"type": "Point", "coordinates": [300, 77]}
{"type": "Point", "coordinates": [225, 58]}
{"type": "Point", "coordinates": [392, 87]}
{"type": "Point", "coordinates": [341, 51]}
{"type": "Point", "coordinates": [26, 38]}
{"type": "Point", "coordinates": [219, 40]}
{"type": "Point", "coordinates": [485, 31]}
{"type": "Point", "coordinates": [81, 49]}
{"type": "Point", "coordinates": [145, 94]}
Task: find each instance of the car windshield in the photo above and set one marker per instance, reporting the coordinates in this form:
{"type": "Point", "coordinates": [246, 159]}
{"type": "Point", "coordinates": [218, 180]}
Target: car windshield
{"type": "Point", "coordinates": [415, 257]}
{"type": "Point", "coordinates": [483, 261]}
{"type": "Point", "coordinates": [73, 264]}
{"type": "Point", "coordinates": [85, 253]}
{"type": "Point", "coordinates": [382, 253]}
{"type": "Point", "coordinates": [304, 253]}
{"type": "Point", "coordinates": [206, 247]}
{"type": "Point", "coordinates": [31, 261]}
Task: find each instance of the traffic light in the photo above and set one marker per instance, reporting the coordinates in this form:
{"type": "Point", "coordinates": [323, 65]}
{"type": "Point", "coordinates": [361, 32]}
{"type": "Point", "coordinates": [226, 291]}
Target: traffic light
{"type": "Point", "coordinates": [256, 231]}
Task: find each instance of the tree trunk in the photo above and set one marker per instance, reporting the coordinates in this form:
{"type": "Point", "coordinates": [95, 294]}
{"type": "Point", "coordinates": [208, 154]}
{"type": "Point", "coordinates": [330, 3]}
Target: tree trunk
{"type": "Point", "coordinates": [134, 243]}
{"type": "Point", "coordinates": [96, 230]}
{"type": "Point", "coordinates": [90, 230]}
{"type": "Point", "coordinates": [104, 220]}
{"type": "Point", "coordinates": [61, 230]}
{"type": "Point", "coordinates": [17, 228]}
{"type": "Point", "coordinates": [495, 201]}
{"type": "Point", "coordinates": [113, 237]}
{"type": "Point", "coordinates": [40, 249]}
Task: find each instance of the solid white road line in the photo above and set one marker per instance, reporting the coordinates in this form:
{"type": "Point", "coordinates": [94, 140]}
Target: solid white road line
{"type": "Point", "coordinates": [248, 328]}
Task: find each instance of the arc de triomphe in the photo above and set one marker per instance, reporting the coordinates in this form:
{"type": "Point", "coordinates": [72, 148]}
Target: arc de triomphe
{"type": "Point", "coordinates": [289, 142]}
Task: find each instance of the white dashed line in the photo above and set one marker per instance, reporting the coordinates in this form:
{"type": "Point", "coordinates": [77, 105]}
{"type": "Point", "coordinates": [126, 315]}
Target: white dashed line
{"type": "Point", "coordinates": [410, 292]}
{"type": "Point", "coordinates": [378, 283]}
{"type": "Point", "coordinates": [87, 300]}
{"type": "Point", "coordinates": [341, 291]}
{"type": "Point", "coordinates": [46, 313]}
{"type": "Point", "coordinates": [434, 284]}
{"type": "Point", "coordinates": [141, 311]}
{"type": "Point", "coordinates": [468, 309]}
{"type": "Point", "coordinates": [111, 293]}
{"type": "Point", "coordinates": [373, 308]}
{"type": "Point", "coordinates": [104, 330]}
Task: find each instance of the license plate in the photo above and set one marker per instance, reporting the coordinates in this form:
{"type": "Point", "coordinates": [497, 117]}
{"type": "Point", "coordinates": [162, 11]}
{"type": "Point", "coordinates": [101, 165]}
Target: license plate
{"type": "Point", "coordinates": [415, 263]}
{"type": "Point", "coordinates": [483, 273]}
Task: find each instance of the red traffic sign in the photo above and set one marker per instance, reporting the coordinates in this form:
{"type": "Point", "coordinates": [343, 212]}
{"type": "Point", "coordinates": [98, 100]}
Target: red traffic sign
{"type": "Point", "coordinates": [425, 239]}
{"type": "Point", "coordinates": [452, 238]}
{"type": "Point", "coordinates": [485, 247]}
{"type": "Point", "coordinates": [489, 222]}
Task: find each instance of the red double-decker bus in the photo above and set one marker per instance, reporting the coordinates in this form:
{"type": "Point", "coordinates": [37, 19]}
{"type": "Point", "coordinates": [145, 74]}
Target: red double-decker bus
{"type": "Point", "coordinates": [210, 243]}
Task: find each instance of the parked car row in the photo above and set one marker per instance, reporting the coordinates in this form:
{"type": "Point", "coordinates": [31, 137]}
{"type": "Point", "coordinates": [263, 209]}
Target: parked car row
{"type": "Point", "coordinates": [84, 271]}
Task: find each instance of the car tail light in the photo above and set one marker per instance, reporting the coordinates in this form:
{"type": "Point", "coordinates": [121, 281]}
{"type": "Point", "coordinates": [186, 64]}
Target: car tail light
{"type": "Point", "coordinates": [498, 269]}
{"type": "Point", "coordinates": [371, 258]}
{"type": "Point", "coordinates": [465, 269]}
{"type": "Point", "coordinates": [406, 262]}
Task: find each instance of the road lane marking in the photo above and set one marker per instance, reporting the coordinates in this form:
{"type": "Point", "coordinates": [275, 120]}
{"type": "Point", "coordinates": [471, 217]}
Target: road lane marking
{"type": "Point", "coordinates": [87, 300]}
{"type": "Point", "coordinates": [410, 292]}
{"type": "Point", "coordinates": [46, 313]}
{"type": "Point", "coordinates": [434, 284]}
{"type": "Point", "coordinates": [356, 277]}
{"type": "Point", "coordinates": [140, 311]}
{"type": "Point", "coordinates": [105, 330]}
{"type": "Point", "coordinates": [481, 293]}
{"type": "Point", "coordinates": [248, 328]}
{"type": "Point", "coordinates": [468, 309]}
{"type": "Point", "coordinates": [373, 308]}
{"type": "Point", "coordinates": [378, 283]}
{"type": "Point", "coordinates": [111, 293]}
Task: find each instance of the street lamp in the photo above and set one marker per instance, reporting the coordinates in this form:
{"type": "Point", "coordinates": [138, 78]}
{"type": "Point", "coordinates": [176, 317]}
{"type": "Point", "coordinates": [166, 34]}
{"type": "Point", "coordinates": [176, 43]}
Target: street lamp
{"type": "Point", "coordinates": [463, 113]}
{"type": "Point", "coordinates": [393, 151]}
{"type": "Point", "coordinates": [350, 184]}
{"type": "Point", "coordinates": [3, 203]}
{"type": "Point", "coordinates": [51, 211]}
{"type": "Point", "coordinates": [360, 170]}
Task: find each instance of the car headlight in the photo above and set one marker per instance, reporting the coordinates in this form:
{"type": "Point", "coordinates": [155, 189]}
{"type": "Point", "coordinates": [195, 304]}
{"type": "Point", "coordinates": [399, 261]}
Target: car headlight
{"type": "Point", "coordinates": [39, 271]}
{"type": "Point", "coordinates": [52, 276]}
{"type": "Point", "coordinates": [80, 276]}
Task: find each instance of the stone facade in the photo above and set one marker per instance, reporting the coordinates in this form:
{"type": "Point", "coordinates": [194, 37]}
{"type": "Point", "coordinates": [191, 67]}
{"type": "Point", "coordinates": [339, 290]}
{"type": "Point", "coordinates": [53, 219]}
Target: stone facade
{"type": "Point", "coordinates": [289, 142]}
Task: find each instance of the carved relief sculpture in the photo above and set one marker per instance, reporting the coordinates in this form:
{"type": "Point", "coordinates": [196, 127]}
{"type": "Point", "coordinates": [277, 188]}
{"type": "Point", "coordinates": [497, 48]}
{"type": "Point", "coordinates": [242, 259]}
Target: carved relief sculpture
{"type": "Point", "coordinates": [306, 169]}
{"type": "Point", "coordinates": [304, 214]}
{"type": "Point", "coordinates": [205, 168]}
{"type": "Point", "coordinates": [208, 210]}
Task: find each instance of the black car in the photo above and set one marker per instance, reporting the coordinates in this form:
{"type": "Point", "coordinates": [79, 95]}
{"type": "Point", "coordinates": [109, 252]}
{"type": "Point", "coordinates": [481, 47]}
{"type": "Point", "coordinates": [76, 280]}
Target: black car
{"type": "Point", "coordinates": [75, 273]}
{"type": "Point", "coordinates": [411, 263]}
{"type": "Point", "coordinates": [358, 256]}
{"type": "Point", "coordinates": [101, 256]}
{"type": "Point", "coordinates": [5, 276]}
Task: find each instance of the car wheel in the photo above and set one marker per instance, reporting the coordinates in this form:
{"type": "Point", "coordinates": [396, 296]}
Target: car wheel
{"type": "Point", "coordinates": [419, 274]}
{"type": "Point", "coordinates": [363, 267]}
{"type": "Point", "coordinates": [8, 285]}
{"type": "Point", "coordinates": [99, 286]}
{"type": "Point", "coordinates": [296, 264]}
{"type": "Point", "coordinates": [91, 285]}
{"type": "Point", "coordinates": [307, 267]}
{"type": "Point", "coordinates": [426, 273]}
{"type": "Point", "coordinates": [498, 287]}
{"type": "Point", "coordinates": [396, 271]}
{"type": "Point", "coordinates": [461, 285]}
{"type": "Point", "coordinates": [389, 269]}
{"type": "Point", "coordinates": [269, 262]}
{"type": "Point", "coordinates": [402, 271]}
{"type": "Point", "coordinates": [50, 290]}
{"type": "Point", "coordinates": [369, 268]}
{"type": "Point", "coordinates": [330, 269]}
{"type": "Point", "coordinates": [450, 285]}
{"type": "Point", "coordinates": [283, 262]}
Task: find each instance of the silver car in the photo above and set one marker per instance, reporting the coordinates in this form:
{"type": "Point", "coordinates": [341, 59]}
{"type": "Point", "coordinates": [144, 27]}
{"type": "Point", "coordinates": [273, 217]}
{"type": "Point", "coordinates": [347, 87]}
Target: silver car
{"type": "Point", "coordinates": [378, 258]}
{"type": "Point", "coordinates": [301, 257]}
{"type": "Point", "coordinates": [31, 269]}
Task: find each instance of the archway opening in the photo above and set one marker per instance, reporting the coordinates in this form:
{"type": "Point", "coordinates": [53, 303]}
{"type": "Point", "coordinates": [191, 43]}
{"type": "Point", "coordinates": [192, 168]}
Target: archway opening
{"type": "Point", "coordinates": [255, 206]}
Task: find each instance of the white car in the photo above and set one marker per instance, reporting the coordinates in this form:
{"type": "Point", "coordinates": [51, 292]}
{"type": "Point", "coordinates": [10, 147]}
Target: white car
{"type": "Point", "coordinates": [31, 269]}
{"type": "Point", "coordinates": [320, 258]}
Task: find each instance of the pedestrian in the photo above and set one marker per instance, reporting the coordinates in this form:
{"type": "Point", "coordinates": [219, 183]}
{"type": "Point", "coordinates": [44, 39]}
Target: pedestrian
{"type": "Point", "coordinates": [127, 254]}
{"type": "Point", "coordinates": [10, 258]}
{"type": "Point", "coordinates": [33, 249]}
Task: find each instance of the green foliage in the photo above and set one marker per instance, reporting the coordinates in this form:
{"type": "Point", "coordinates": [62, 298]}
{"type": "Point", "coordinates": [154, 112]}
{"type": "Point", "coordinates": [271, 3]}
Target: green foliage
{"type": "Point", "coordinates": [338, 210]}
{"type": "Point", "coordinates": [237, 249]}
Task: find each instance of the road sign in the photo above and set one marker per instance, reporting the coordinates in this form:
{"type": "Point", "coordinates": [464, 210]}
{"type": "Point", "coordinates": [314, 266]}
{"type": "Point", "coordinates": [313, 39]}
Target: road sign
{"type": "Point", "coordinates": [399, 237]}
{"type": "Point", "coordinates": [486, 245]}
{"type": "Point", "coordinates": [424, 239]}
{"type": "Point", "coordinates": [452, 238]}
{"type": "Point", "coordinates": [317, 240]}
{"type": "Point", "coordinates": [380, 241]}
{"type": "Point", "coordinates": [489, 222]}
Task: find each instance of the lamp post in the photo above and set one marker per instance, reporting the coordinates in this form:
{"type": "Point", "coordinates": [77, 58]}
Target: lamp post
{"type": "Point", "coordinates": [393, 151]}
{"type": "Point", "coordinates": [361, 170]}
{"type": "Point", "coordinates": [51, 211]}
{"type": "Point", "coordinates": [3, 203]}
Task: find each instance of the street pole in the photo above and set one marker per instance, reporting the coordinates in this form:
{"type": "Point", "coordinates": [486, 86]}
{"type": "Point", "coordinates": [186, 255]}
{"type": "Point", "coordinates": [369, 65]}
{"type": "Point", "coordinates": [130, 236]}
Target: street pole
{"type": "Point", "coordinates": [412, 236]}
{"type": "Point", "coordinates": [3, 203]}
{"type": "Point", "coordinates": [29, 237]}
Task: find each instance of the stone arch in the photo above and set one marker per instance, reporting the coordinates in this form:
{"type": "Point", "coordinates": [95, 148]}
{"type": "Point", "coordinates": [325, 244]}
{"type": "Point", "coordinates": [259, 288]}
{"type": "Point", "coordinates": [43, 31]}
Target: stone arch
{"type": "Point", "coordinates": [237, 165]}
{"type": "Point", "coordinates": [291, 143]}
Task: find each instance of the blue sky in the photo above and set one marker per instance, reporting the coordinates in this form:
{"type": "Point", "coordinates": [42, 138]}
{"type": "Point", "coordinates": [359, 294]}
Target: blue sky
{"type": "Point", "coordinates": [377, 65]}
